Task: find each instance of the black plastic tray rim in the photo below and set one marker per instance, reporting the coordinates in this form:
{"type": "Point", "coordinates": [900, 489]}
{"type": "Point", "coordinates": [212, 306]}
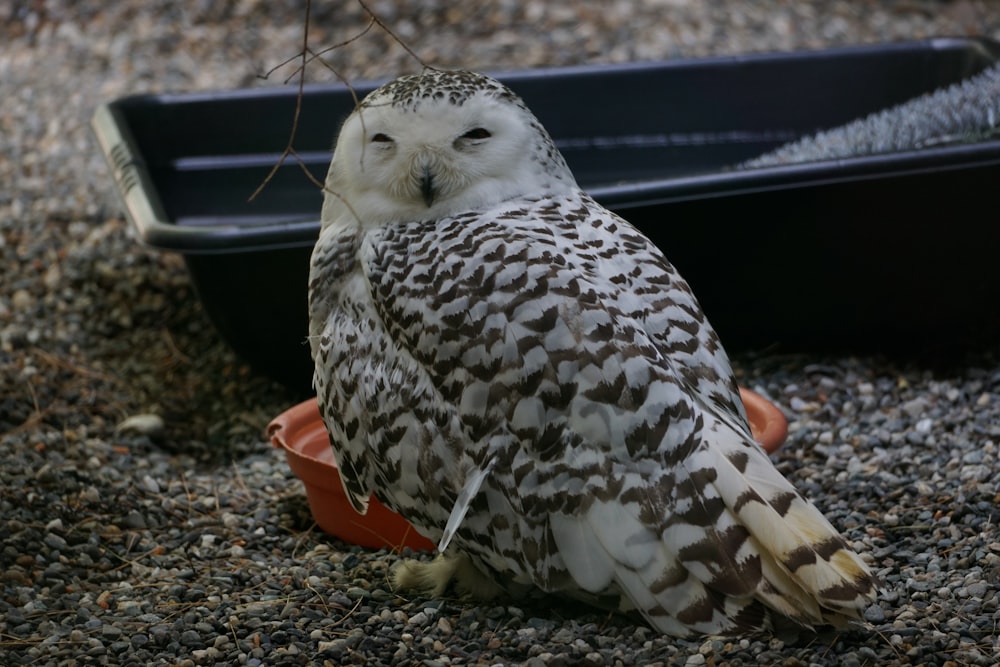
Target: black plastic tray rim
{"type": "Point", "coordinates": [155, 229]}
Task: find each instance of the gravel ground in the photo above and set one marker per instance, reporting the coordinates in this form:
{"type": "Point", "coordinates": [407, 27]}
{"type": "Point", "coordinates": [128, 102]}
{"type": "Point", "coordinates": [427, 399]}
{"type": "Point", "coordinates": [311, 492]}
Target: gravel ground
{"type": "Point", "coordinates": [186, 540]}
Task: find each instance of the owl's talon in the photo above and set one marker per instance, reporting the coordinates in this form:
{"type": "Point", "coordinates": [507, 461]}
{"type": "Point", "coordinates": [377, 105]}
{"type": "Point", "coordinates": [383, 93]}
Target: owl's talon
{"type": "Point", "coordinates": [433, 578]}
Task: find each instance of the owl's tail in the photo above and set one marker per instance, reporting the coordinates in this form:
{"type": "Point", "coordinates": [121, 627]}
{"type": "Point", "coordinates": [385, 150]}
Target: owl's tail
{"type": "Point", "coordinates": [718, 544]}
{"type": "Point", "coordinates": [808, 572]}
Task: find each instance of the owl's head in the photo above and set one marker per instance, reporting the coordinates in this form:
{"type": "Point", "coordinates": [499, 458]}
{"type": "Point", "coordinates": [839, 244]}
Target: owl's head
{"type": "Point", "coordinates": [436, 144]}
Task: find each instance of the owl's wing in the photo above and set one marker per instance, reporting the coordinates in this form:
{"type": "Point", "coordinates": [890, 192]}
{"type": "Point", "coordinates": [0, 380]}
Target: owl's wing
{"type": "Point", "coordinates": [389, 428]}
{"type": "Point", "coordinates": [624, 456]}
{"type": "Point", "coordinates": [573, 237]}
{"type": "Point", "coordinates": [652, 292]}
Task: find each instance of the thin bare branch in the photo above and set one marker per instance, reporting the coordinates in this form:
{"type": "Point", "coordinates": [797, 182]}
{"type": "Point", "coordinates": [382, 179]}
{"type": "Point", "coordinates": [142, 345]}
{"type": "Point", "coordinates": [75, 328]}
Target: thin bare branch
{"type": "Point", "coordinates": [392, 34]}
{"type": "Point", "coordinates": [298, 105]}
{"type": "Point", "coordinates": [306, 56]}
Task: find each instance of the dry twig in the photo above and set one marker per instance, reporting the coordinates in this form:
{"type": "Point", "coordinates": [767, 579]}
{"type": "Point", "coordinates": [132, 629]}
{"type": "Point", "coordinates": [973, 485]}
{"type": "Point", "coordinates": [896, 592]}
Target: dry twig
{"type": "Point", "coordinates": [306, 56]}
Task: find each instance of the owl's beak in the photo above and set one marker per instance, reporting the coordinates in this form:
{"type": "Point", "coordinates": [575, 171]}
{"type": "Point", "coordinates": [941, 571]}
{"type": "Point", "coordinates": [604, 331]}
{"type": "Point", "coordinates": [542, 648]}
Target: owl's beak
{"type": "Point", "coordinates": [427, 186]}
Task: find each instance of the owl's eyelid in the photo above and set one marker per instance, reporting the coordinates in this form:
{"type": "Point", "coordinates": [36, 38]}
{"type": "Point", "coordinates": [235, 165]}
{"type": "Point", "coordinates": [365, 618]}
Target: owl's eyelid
{"type": "Point", "coordinates": [477, 133]}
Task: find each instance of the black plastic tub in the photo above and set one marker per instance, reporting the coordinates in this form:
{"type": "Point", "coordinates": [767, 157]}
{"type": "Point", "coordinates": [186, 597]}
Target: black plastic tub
{"type": "Point", "coordinates": [893, 253]}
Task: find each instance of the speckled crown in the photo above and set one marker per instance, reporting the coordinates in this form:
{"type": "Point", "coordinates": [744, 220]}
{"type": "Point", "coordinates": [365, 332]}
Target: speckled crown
{"type": "Point", "coordinates": [457, 86]}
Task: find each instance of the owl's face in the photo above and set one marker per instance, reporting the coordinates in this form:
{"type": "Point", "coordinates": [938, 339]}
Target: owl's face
{"type": "Point", "coordinates": [419, 149]}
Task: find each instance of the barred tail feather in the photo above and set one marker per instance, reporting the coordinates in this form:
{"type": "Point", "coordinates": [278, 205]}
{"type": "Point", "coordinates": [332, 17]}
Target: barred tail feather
{"type": "Point", "coordinates": [737, 549]}
{"type": "Point", "coordinates": [805, 560]}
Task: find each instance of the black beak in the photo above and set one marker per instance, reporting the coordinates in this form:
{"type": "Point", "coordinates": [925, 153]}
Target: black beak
{"type": "Point", "coordinates": [427, 186]}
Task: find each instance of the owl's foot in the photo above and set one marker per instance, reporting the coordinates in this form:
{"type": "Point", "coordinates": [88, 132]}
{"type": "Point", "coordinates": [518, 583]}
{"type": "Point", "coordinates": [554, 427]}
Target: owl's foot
{"type": "Point", "coordinates": [433, 578]}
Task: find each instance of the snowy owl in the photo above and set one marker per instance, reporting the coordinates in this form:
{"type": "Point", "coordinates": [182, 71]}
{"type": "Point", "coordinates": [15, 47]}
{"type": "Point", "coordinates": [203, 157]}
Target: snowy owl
{"type": "Point", "coordinates": [523, 376]}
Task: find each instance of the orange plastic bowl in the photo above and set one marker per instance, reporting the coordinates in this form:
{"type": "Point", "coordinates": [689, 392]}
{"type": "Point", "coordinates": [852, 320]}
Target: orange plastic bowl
{"type": "Point", "coordinates": [301, 433]}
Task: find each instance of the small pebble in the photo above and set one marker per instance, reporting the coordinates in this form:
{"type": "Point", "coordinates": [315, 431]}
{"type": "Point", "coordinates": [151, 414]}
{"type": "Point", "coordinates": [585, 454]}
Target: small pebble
{"type": "Point", "coordinates": [151, 425]}
{"type": "Point", "coordinates": [147, 483]}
